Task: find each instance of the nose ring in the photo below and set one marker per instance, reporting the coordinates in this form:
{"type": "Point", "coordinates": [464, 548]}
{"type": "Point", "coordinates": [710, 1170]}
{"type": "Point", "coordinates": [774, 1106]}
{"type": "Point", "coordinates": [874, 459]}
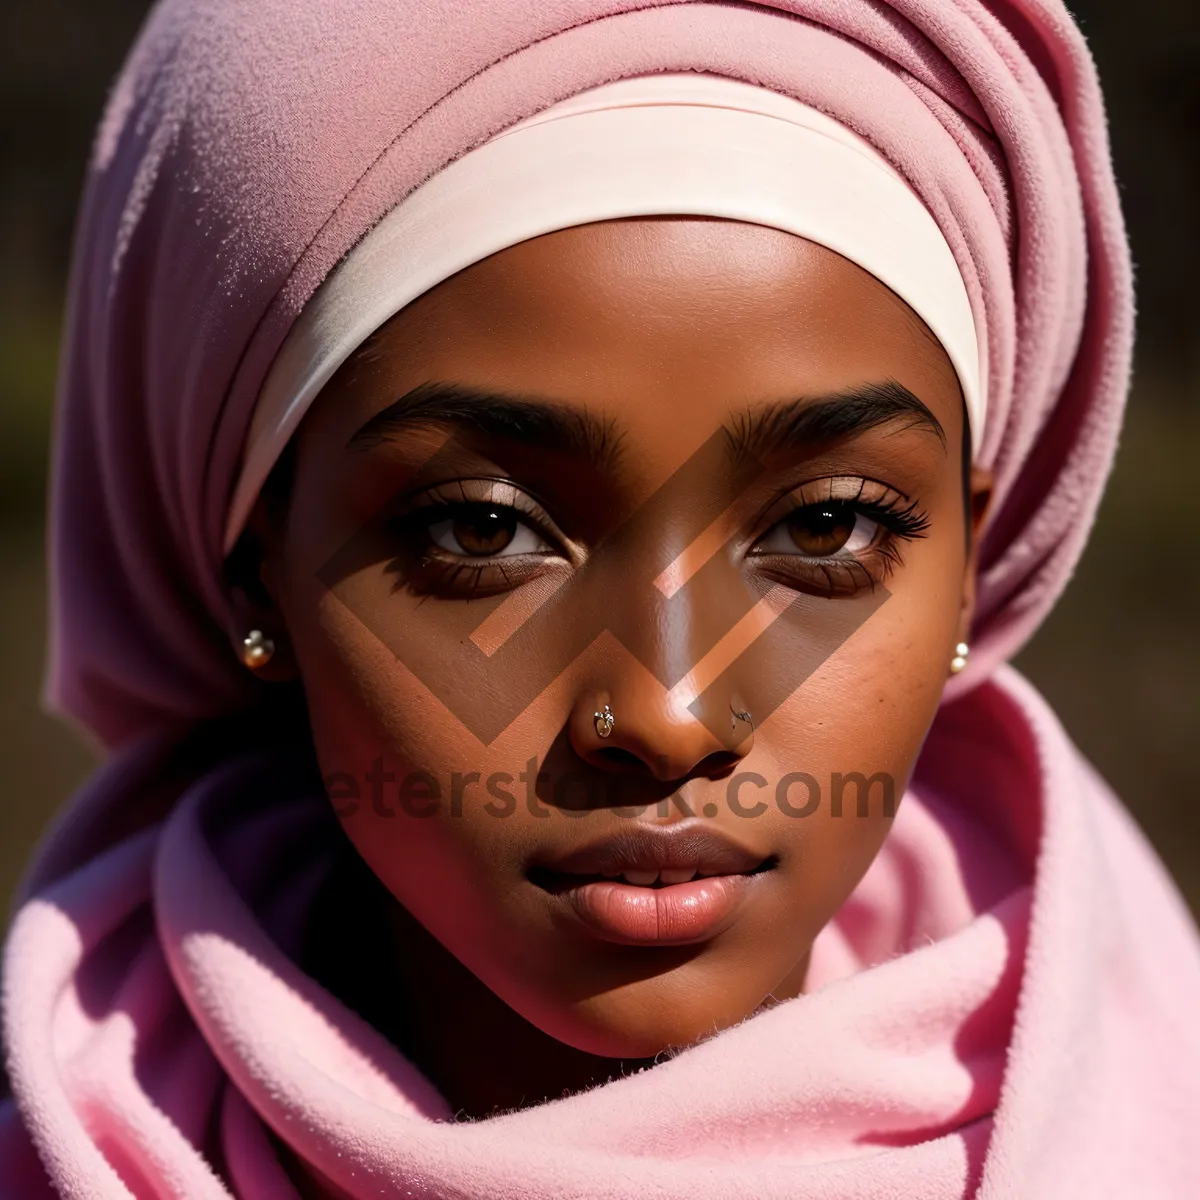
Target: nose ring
{"type": "Point", "coordinates": [605, 721]}
{"type": "Point", "coordinates": [742, 715]}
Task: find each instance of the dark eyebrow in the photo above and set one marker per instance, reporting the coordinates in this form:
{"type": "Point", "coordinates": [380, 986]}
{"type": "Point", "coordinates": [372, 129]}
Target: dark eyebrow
{"type": "Point", "coordinates": [534, 422]}
{"type": "Point", "coordinates": [789, 425]}
{"type": "Point", "coordinates": [803, 423]}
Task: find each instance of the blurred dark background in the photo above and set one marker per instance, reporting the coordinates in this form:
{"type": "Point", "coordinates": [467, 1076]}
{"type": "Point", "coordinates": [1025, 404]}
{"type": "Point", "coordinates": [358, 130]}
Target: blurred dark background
{"type": "Point", "coordinates": [1119, 658]}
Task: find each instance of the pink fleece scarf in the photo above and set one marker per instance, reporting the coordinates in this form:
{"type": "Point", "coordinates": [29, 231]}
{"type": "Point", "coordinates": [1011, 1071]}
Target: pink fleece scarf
{"type": "Point", "coordinates": [1004, 1007]}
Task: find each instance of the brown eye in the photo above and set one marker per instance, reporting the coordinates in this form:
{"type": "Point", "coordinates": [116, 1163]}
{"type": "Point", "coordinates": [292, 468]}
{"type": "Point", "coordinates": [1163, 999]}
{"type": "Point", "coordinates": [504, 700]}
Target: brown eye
{"type": "Point", "coordinates": [485, 531]}
{"type": "Point", "coordinates": [821, 529]}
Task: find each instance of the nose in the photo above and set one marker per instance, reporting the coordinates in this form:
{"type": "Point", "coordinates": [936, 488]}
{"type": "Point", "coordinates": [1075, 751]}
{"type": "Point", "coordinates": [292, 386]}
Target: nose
{"type": "Point", "coordinates": [647, 734]}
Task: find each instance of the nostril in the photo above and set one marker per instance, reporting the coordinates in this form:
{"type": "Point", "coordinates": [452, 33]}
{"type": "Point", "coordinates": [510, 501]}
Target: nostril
{"type": "Point", "coordinates": [719, 763]}
{"type": "Point", "coordinates": [715, 765]}
{"type": "Point", "coordinates": [619, 757]}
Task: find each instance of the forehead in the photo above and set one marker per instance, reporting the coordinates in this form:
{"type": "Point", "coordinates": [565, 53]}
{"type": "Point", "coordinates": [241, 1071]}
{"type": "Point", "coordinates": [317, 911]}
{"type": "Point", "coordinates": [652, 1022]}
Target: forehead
{"type": "Point", "coordinates": [636, 317]}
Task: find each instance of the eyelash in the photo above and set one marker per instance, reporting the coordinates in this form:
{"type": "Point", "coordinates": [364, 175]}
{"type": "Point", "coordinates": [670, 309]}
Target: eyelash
{"type": "Point", "coordinates": [434, 571]}
{"type": "Point", "coordinates": [431, 570]}
{"type": "Point", "coordinates": [846, 574]}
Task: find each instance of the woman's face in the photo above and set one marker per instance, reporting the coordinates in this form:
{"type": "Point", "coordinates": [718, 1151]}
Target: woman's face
{"type": "Point", "coordinates": [707, 474]}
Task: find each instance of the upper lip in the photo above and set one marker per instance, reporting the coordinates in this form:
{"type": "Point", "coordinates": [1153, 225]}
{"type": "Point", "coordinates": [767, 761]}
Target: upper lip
{"type": "Point", "coordinates": [659, 848]}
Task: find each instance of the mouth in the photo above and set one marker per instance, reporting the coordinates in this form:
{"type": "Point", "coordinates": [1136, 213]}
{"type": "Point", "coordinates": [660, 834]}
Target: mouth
{"type": "Point", "coordinates": [556, 882]}
{"type": "Point", "coordinates": [650, 885]}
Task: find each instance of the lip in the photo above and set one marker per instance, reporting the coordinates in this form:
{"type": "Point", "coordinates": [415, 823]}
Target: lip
{"type": "Point", "coordinates": [676, 915]}
{"type": "Point", "coordinates": [659, 848]}
{"type": "Point", "coordinates": [660, 913]}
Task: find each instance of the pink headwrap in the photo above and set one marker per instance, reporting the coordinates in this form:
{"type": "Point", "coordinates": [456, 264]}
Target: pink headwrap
{"type": "Point", "coordinates": [671, 143]}
{"type": "Point", "coordinates": [1006, 1004]}
{"type": "Point", "coordinates": [246, 150]}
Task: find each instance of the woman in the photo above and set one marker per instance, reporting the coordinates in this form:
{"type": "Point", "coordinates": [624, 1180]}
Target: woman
{"type": "Point", "coordinates": [543, 498]}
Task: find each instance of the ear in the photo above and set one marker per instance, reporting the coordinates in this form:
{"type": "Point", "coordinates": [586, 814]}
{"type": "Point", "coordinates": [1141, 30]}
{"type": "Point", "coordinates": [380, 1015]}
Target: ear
{"type": "Point", "coordinates": [980, 487]}
{"type": "Point", "coordinates": [252, 582]}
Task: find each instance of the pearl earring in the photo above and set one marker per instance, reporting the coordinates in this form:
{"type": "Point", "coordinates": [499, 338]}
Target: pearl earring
{"type": "Point", "coordinates": [257, 649]}
{"type": "Point", "coordinates": [961, 651]}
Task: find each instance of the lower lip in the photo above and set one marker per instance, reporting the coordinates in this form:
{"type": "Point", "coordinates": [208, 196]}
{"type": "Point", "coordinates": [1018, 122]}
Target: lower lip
{"type": "Point", "coordinates": [663, 916]}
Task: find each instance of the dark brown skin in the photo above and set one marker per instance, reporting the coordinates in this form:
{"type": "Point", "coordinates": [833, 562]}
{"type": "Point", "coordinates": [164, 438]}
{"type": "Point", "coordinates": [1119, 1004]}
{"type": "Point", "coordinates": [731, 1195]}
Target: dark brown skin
{"type": "Point", "coordinates": [663, 331]}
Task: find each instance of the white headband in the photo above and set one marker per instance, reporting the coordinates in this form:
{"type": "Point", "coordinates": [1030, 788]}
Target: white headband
{"type": "Point", "coordinates": [672, 144]}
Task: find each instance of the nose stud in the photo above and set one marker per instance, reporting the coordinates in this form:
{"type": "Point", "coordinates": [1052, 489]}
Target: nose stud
{"type": "Point", "coordinates": [605, 721]}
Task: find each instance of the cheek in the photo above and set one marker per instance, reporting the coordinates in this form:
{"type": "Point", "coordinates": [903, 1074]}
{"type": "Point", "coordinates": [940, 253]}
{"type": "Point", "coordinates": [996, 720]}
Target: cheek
{"type": "Point", "coordinates": [870, 703]}
{"type": "Point", "coordinates": [861, 718]}
{"type": "Point", "coordinates": [446, 822]}
{"type": "Point", "coordinates": [391, 761]}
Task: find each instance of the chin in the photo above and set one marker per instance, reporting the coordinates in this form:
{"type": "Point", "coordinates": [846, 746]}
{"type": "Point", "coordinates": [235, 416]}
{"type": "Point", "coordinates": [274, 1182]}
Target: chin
{"type": "Point", "coordinates": [650, 1017]}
